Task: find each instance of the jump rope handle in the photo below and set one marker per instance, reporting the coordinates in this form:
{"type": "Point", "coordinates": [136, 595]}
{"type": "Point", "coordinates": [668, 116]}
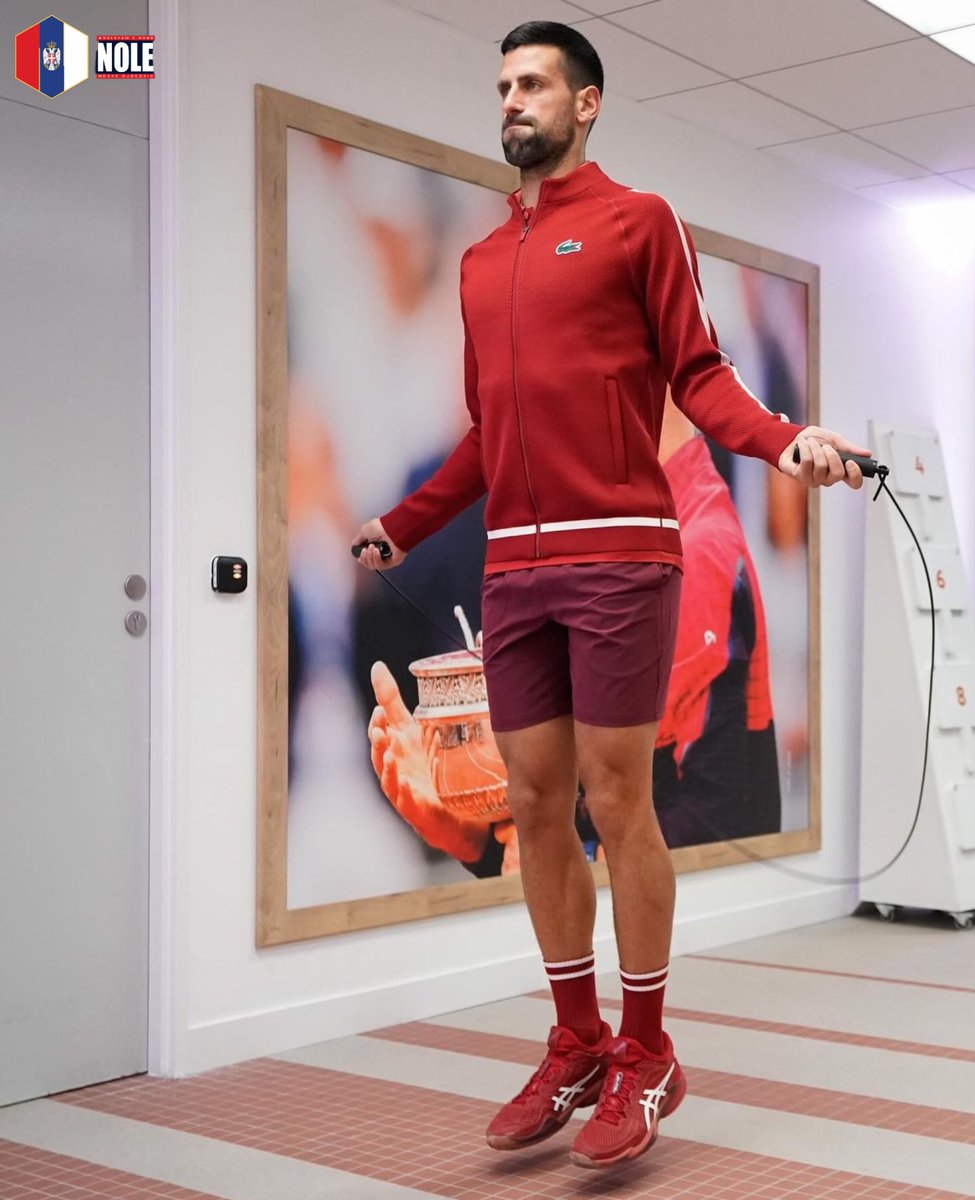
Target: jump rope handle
{"type": "Point", "coordinates": [385, 550]}
{"type": "Point", "coordinates": [869, 466]}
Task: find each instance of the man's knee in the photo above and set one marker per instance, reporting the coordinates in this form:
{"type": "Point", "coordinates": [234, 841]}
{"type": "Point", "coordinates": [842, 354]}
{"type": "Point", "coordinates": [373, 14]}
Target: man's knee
{"type": "Point", "coordinates": [616, 768]}
{"type": "Point", "coordinates": [617, 803]}
{"type": "Point", "coordinates": [540, 807]}
{"type": "Point", "coordinates": [541, 775]}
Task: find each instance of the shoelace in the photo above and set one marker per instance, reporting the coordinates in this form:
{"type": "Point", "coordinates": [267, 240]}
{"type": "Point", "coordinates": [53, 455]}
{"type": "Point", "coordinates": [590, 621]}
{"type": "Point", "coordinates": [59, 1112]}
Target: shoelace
{"type": "Point", "coordinates": [616, 1095]}
{"type": "Point", "coordinates": [549, 1069]}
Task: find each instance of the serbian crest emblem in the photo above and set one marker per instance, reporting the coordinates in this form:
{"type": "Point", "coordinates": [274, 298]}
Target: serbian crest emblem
{"type": "Point", "coordinates": [51, 56]}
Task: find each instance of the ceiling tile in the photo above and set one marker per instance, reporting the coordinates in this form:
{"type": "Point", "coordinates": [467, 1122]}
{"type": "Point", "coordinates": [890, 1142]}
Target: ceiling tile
{"type": "Point", "coordinates": [908, 193]}
{"type": "Point", "coordinates": [496, 19]}
{"type": "Point", "coordinates": [965, 178]}
{"type": "Point", "coordinates": [930, 16]}
{"type": "Point", "coordinates": [941, 141]}
{"type": "Point", "coordinates": [846, 160]}
{"type": "Point", "coordinates": [639, 69]}
{"type": "Point", "coordinates": [888, 84]}
{"type": "Point", "coordinates": [740, 113]}
{"type": "Point", "coordinates": [601, 7]}
{"type": "Point", "coordinates": [762, 35]}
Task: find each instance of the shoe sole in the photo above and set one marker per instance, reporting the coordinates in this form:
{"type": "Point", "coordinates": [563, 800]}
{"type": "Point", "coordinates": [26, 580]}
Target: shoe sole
{"type": "Point", "coordinates": [641, 1147]}
{"type": "Point", "coordinates": [502, 1141]}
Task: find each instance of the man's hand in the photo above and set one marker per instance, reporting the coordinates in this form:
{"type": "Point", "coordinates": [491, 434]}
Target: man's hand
{"type": "Point", "coordinates": [402, 757]}
{"type": "Point", "coordinates": [373, 531]}
{"type": "Point", "coordinates": [819, 463]}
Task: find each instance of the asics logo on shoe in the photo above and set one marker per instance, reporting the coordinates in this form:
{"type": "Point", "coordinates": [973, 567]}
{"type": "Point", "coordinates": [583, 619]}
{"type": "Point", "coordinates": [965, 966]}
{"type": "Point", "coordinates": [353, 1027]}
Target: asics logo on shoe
{"type": "Point", "coordinates": [653, 1096]}
{"type": "Point", "coordinates": [566, 1095]}
{"type": "Point", "coordinates": [568, 247]}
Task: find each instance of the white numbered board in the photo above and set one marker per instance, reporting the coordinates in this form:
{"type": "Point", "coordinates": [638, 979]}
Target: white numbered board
{"type": "Point", "coordinates": [937, 868]}
{"type": "Point", "coordinates": [954, 696]}
{"type": "Point", "coordinates": [963, 804]}
{"type": "Point", "coordinates": [916, 465]}
{"type": "Point", "coordinates": [949, 587]}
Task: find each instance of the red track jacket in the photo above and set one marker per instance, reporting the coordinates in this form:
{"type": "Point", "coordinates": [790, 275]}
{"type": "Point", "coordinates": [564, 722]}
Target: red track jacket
{"type": "Point", "coordinates": [577, 313]}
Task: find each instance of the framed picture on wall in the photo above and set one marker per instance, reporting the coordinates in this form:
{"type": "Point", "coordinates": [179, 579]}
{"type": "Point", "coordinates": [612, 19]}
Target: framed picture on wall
{"type": "Point", "coordinates": [381, 792]}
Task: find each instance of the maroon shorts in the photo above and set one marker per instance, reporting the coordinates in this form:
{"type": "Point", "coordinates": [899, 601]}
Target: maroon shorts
{"type": "Point", "coordinates": [592, 639]}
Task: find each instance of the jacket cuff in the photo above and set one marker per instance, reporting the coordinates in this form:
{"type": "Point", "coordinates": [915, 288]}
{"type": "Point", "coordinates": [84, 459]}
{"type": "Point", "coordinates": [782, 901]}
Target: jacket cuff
{"type": "Point", "coordinates": [401, 528]}
{"type": "Point", "coordinates": [780, 435]}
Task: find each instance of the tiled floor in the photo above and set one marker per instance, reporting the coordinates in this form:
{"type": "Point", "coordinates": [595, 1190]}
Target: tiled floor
{"type": "Point", "coordinates": [831, 1063]}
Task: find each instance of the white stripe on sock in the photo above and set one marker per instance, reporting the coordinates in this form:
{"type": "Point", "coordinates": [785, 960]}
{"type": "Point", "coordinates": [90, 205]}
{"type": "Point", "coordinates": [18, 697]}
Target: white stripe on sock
{"type": "Point", "coordinates": [571, 962]}
{"type": "Point", "coordinates": [649, 975]}
{"type": "Point", "coordinates": [572, 975]}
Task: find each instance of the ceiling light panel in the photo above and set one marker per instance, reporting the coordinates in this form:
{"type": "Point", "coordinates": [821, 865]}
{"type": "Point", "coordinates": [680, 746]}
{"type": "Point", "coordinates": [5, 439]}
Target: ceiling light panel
{"type": "Point", "coordinates": [930, 16]}
{"type": "Point", "coordinates": [961, 41]}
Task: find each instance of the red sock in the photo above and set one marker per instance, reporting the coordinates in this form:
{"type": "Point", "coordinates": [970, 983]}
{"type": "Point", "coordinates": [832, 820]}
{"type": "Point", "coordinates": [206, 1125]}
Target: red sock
{"type": "Point", "coordinates": [643, 1008]}
{"type": "Point", "coordinates": [573, 986]}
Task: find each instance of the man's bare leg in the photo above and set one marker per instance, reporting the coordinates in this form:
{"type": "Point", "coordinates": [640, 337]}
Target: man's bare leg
{"type": "Point", "coordinates": [542, 788]}
{"type": "Point", "coordinates": [644, 1082]}
{"type": "Point", "coordinates": [561, 899]}
{"type": "Point", "coordinates": [616, 767]}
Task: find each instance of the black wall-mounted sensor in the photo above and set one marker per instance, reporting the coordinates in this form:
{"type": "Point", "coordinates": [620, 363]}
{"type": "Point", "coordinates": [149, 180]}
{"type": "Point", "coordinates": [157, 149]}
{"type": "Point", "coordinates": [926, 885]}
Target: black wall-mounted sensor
{"type": "Point", "coordinates": [228, 574]}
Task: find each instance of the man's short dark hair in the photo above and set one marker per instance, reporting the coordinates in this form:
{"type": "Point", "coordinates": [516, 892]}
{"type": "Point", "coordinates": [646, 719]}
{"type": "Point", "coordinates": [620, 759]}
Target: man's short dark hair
{"type": "Point", "coordinates": [582, 66]}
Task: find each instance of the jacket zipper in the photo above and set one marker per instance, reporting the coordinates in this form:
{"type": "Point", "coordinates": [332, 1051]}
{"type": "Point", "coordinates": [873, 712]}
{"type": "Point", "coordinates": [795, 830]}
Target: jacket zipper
{"type": "Point", "coordinates": [529, 221]}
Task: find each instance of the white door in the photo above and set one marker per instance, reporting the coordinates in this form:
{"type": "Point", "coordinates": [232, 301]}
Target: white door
{"type": "Point", "coordinates": [74, 524]}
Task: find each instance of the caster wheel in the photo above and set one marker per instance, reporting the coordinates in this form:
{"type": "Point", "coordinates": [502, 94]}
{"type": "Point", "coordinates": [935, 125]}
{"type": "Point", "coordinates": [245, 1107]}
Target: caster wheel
{"type": "Point", "coordinates": [963, 920]}
{"type": "Point", "coordinates": [887, 912]}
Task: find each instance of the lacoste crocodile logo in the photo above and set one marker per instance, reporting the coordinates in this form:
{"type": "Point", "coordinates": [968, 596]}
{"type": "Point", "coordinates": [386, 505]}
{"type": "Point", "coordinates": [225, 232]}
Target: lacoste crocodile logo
{"type": "Point", "coordinates": [568, 247]}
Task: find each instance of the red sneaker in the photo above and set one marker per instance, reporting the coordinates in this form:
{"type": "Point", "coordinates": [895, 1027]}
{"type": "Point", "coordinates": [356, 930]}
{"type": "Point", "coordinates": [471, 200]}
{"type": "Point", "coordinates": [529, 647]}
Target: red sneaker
{"type": "Point", "coordinates": [570, 1077]}
{"type": "Point", "coordinates": [640, 1088]}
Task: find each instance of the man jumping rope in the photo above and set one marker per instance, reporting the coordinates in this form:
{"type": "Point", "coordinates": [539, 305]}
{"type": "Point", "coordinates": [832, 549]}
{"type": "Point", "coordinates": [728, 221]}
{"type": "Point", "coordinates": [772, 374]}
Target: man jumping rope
{"type": "Point", "coordinates": [577, 312]}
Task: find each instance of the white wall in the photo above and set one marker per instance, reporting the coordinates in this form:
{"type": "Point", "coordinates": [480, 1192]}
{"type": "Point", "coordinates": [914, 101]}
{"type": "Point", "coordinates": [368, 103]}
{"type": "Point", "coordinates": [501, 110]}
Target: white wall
{"type": "Point", "coordinates": [889, 318]}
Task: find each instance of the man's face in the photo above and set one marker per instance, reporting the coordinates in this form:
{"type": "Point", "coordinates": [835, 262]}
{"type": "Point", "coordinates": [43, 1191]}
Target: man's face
{"type": "Point", "coordinates": [538, 107]}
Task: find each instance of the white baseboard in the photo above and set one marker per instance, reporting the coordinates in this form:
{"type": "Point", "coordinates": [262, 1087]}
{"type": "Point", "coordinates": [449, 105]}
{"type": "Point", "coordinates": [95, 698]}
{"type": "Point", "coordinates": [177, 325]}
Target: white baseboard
{"type": "Point", "coordinates": [274, 1031]}
{"type": "Point", "coordinates": [711, 930]}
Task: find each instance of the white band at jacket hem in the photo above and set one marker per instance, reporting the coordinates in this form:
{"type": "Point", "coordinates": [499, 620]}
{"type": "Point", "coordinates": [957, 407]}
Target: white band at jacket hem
{"type": "Point", "coordinates": [595, 523]}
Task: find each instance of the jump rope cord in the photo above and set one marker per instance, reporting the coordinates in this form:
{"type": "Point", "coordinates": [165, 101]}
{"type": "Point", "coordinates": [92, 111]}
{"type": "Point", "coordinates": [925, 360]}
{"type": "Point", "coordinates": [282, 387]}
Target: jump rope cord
{"type": "Point", "coordinates": [426, 616]}
{"type": "Point", "coordinates": [807, 876]}
{"type": "Point", "coordinates": [774, 864]}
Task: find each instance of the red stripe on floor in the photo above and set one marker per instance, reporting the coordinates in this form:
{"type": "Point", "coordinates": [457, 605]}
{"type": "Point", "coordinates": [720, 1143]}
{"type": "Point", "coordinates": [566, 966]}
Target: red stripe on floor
{"type": "Point", "coordinates": [432, 1141]}
{"type": "Point", "coordinates": [848, 1107]}
{"type": "Point", "coordinates": [27, 1173]}
{"type": "Point", "coordinates": [748, 962]}
{"type": "Point", "coordinates": [895, 1045]}
{"type": "Point", "coordinates": [420, 1138]}
{"type": "Point", "coordinates": [424, 1139]}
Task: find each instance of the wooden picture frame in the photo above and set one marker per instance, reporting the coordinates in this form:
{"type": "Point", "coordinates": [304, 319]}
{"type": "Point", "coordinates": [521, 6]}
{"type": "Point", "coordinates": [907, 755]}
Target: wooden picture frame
{"type": "Point", "coordinates": [277, 112]}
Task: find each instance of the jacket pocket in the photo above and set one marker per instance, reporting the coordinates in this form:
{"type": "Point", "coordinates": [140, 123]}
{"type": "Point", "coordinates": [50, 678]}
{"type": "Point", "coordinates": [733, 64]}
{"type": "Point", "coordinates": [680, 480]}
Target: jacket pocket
{"type": "Point", "coordinates": [614, 410]}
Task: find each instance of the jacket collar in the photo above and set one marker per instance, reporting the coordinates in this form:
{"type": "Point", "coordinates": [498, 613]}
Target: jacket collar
{"type": "Point", "coordinates": [565, 187]}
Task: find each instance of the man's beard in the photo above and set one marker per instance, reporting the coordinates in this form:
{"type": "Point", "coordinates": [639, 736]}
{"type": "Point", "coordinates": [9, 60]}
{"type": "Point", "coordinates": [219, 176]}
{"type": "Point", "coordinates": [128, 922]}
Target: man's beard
{"type": "Point", "coordinates": [538, 148]}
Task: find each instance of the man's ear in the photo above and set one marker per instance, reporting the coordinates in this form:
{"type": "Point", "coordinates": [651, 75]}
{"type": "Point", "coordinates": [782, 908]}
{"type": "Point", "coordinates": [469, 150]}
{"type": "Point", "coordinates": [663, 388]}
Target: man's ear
{"type": "Point", "coordinates": [589, 102]}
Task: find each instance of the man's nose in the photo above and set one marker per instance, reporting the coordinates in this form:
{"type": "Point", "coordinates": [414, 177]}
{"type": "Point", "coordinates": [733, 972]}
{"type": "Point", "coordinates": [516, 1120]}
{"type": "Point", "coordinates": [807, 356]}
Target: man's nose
{"type": "Point", "coordinates": [512, 104]}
